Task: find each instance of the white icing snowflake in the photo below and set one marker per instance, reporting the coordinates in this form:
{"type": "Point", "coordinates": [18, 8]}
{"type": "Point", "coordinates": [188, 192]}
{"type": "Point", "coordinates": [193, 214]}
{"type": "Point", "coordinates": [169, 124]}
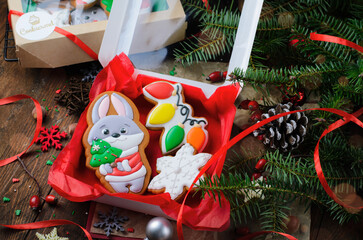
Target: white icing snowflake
{"type": "Point", "coordinates": [51, 236]}
{"type": "Point", "coordinates": [96, 148]}
{"type": "Point", "coordinates": [179, 171]}
{"type": "Point", "coordinates": [254, 193]}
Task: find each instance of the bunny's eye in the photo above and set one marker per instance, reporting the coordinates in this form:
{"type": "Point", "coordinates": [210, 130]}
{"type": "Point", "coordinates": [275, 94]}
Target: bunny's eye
{"type": "Point", "coordinates": [123, 130]}
{"type": "Point", "coordinates": [105, 131]}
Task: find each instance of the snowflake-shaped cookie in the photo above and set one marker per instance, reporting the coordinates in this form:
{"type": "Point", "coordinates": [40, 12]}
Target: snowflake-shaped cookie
{"type": "Point", "coordinates": [50, 138]}
{"type": "Point", "coordinates": [179, 172]}
{"type": "Point", "coordinates": [51, 236]}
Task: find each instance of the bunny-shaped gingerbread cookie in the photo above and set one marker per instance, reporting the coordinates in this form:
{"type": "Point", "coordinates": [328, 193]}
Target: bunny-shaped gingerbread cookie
{"type": "Point", "coordinates": [115, 141]}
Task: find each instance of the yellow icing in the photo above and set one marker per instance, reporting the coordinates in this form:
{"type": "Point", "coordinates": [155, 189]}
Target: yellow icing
{"type": "Point", "coordinates": [162, 114]}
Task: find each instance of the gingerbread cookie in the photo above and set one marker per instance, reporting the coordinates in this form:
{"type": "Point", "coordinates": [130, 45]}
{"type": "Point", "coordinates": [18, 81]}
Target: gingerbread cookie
{"type": "Point", "coordinates": [178, 173]}
{"type": "Point", "coordinates": [83, 4]}
{"type": "Point", "coordinates": [93, 14]}
{"type": "Point", "coordinates": [106, 5]}
{"type": "Point", "coordinates": [175, 118]}
{"type": "Point", "coordinates": [115, 141]}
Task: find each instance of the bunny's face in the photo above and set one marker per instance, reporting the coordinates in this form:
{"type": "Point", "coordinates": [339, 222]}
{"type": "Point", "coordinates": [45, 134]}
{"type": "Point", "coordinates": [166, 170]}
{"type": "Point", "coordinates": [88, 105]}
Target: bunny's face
{"type": "Point", "coordinates": [120, 130]}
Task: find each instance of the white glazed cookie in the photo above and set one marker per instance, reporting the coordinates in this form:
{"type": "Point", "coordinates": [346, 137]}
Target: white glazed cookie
{"type": "Point", "coordinates": [175, 117]}
{"type": "Point", "coordinates": [178, 173]}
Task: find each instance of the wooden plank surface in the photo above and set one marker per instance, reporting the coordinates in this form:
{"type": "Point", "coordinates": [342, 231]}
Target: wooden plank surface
{"type": "Point", "coordinates": [16, 129]}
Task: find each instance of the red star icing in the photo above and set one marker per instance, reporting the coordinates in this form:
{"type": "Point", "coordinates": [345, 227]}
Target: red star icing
{"type": "Point", "coordinates": [50, 138]}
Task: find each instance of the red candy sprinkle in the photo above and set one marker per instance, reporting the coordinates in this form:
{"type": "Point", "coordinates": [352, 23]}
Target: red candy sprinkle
{"type": "Point", "coordinates": [131, 230]}
{"type": "Point", "coordinates": [15, 180]}
{"type": "Point", "coordinates": [58, 91]}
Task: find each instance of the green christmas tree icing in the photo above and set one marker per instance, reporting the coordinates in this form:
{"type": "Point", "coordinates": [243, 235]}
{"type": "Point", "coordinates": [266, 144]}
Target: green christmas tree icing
{"type": "Point", "coordinates": [108, 4]}
{"type": "Point", "coordinates": [103, 153]}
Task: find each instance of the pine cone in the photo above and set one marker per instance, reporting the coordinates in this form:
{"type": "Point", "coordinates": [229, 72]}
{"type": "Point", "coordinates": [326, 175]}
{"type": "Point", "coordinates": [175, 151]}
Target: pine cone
{"type": "Point", "coordinates": [285, 133]}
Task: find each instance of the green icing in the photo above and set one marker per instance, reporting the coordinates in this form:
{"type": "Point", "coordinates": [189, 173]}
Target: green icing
{"type": "Point", "coordinates": [174, 137]}
{"type": "Point", "coordinates": [159, 5]}
{"type": "Point", "coordinates": [108, 4]}
{"type": "Point", "coordinates": [103, 153]}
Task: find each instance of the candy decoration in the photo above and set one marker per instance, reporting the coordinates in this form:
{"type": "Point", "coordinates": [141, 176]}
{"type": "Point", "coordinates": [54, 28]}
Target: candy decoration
{"type": "Point", "coordinates": [51, 199]}
{"type": "Point", "coordinates": [131, 230]}
{"type": "Point", "coordinates": [34, 202]}
{"type": "Point", "coordinates": [162, 114]}
{"type": "Point", "coordinates": [159, 228]}
{"type": "Point", "coordinates": [50, 138]}
{"type": "Point", "coordinates": [160, 90]}
{"type": "Point", "coordinates": [15, 180]}
{"type": "Point", "coordinates": [5, 199]}
{"type": "Point", "coordinates": [103, 153]}
{"type": "Point", "coordinates": [196, 137]}
{"type": "Point", "coordinates": [17, 212]}
{"type": "Point", "coordinates": [174, 137]}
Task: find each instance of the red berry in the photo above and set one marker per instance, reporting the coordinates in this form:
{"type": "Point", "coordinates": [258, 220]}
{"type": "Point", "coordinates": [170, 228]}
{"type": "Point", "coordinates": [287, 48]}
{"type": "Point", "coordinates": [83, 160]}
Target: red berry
{"type": "Point", "coordinates": [255, 176]}
{"type": "Point", "coordinates": [215, 77]}
{"type": "Point", "coordinates": [244, 104]}
{"type": "Point", "coordinates": [225, 75]}
{"type": "Point", "coordinates": [256, 116]}
{"type": "Point", "coordinates": [260, 137]}
{"type": "Point", "coordinates": [260, 165]}
{"type": "Point", "coordinates": [51, 199]}
{"type": "Point", "coordinates": [242, 231]}
{"type": "Point", "coordinates": [253, 105]}
{"type": "Point", "coordinates": [34, 202]}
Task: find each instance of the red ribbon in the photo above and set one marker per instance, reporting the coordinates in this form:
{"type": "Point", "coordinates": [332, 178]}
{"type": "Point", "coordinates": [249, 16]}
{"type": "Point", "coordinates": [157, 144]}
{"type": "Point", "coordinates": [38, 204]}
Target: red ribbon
{"type": "Point", "coordinates": [69, 35]}
{"type": "Point", "coordinates": [44, 224]}
{"type": "Point", "coordinates": [327, 38]}
{"type": "Point", "coordinates": [206, 4]}
{"type": "Point", "coordinates": [347, 117]}
{"type": "Point", "coordinates": [16, 98]}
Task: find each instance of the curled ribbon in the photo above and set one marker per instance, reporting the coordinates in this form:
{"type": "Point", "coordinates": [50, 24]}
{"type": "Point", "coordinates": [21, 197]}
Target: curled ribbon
{"type": "Point", "coordinates": [69, 35]}
{"type": "Point", "coordinates": [16, 98]}
{"type": "Point", "coordinates": [347, 118]}
{"type": "Point", "coordinates": [44, 224]}
{"type": "Point", "coordinates": [327, 38]}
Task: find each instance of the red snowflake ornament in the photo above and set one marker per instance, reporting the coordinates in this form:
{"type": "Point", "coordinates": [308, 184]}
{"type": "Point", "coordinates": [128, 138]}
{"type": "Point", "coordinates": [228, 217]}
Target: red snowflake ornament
{"type": "Point", "coordinates": [50, 138]}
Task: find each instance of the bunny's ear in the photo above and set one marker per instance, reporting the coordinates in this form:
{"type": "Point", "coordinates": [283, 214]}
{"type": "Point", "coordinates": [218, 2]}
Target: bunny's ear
{"type": "Point", "coordinates": [100, 108]}
{"type": "Point", "coordinates": [121, 106]}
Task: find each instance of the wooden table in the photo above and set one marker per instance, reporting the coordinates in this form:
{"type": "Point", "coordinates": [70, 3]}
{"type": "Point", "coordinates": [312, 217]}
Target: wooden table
{"type": "Point", "coordinates": [16, 128]}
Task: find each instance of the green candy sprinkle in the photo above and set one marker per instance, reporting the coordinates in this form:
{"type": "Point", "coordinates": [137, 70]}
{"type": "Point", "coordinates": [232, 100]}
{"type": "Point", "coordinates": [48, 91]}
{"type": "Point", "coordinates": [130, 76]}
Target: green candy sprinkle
{"type": "Point", "coordinates": [5, 199]}
{"type": "Point", "coordinates": [49, 162]}
{"type": "Point", "coordinates": [54, 156]}
{"type": "Point", "coordinates": [17, 212]}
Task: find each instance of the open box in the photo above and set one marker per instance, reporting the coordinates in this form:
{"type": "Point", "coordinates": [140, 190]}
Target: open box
{"type": "Point", "coordinates": [71, 179]}
{"type": "Point", "coordinates": [57, 50]}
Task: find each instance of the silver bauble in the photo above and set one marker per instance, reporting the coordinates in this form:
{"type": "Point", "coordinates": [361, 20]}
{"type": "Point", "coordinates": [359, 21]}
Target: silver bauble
{"type": "Point", "coordinates": [159, 228]}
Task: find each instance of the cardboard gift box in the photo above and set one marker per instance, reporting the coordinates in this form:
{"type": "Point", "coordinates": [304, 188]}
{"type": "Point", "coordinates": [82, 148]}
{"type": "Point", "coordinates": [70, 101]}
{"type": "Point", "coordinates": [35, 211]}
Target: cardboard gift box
{"type": "Point", "coordinates": [69, 175]}
{"type": "Point", "coordinates": [57, 50]}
